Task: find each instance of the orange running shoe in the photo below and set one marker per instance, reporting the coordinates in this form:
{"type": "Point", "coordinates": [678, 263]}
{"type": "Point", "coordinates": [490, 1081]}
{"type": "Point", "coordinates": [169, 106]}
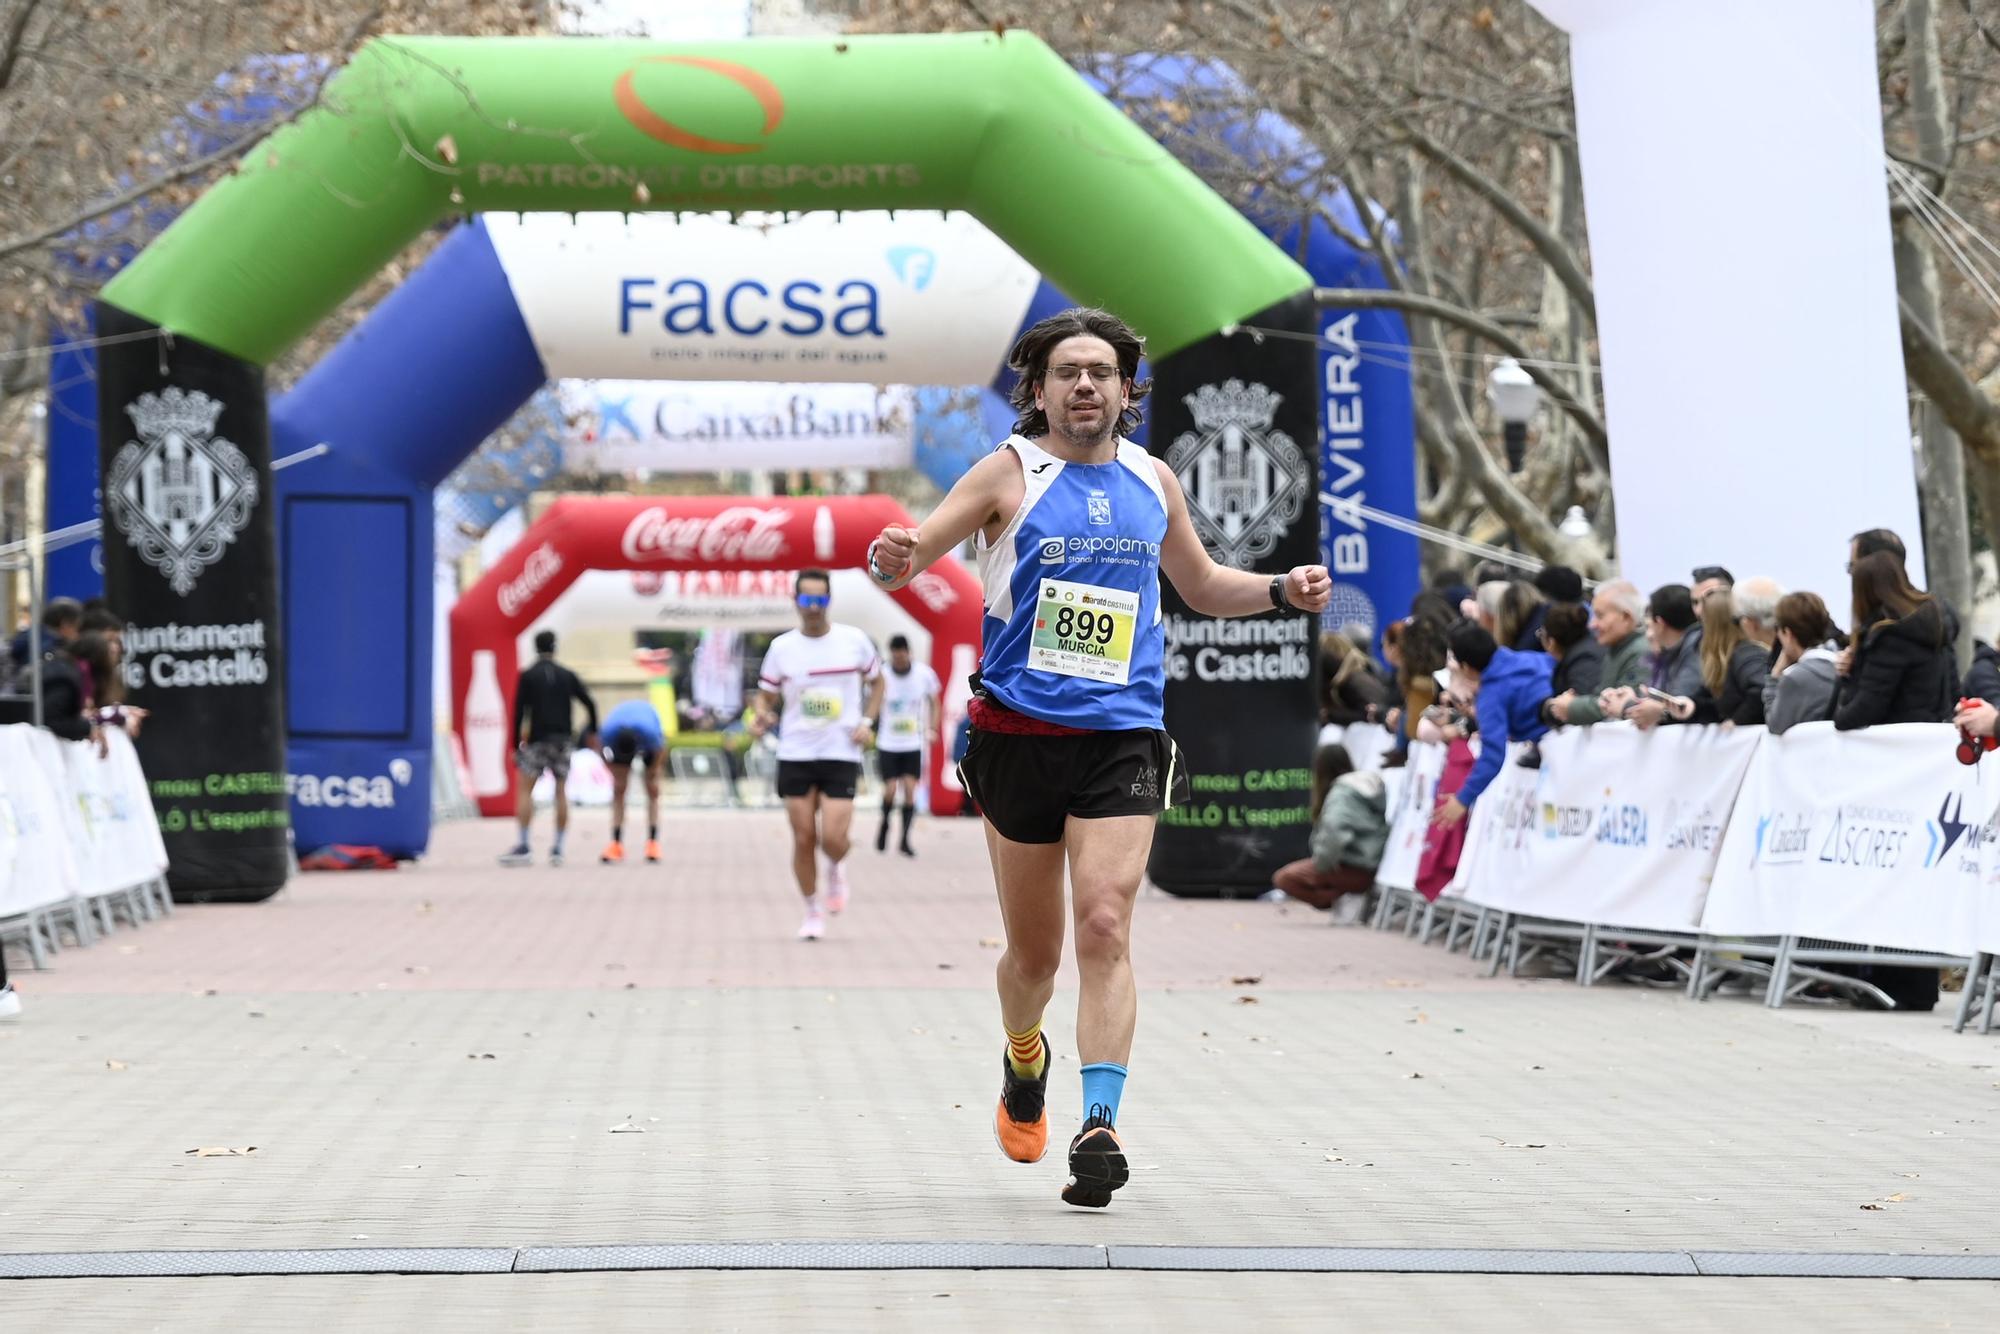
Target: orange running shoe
{"type": "Point", "coordinates": [1021, 1121]}
{"type": "Point", "coordinates": [1096, 1163]}
{"type": "Point", "coordinates": [652, 849]}
{"type": "Point", "coordinates": [614, 851]}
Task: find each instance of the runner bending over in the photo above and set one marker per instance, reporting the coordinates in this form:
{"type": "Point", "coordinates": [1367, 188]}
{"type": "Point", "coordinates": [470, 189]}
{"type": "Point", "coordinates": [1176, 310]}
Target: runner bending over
{"type": "Point", "coordinates": [1069, 760]}
{"type": "Point", "coordinates": [631, 732]}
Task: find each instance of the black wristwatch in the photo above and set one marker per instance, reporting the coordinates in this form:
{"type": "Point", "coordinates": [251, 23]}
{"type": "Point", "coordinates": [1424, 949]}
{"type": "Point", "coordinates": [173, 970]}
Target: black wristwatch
{"type": "Point", "coordinates": [1278, 601]}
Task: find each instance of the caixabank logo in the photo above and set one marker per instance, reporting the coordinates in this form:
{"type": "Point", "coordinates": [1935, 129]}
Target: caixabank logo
{"type": "Point", "coordinates": [648, 121]}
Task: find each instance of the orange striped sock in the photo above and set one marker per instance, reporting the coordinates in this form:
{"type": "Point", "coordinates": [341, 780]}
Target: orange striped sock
{"type": "Point", "coordinates": [1027, 1053]}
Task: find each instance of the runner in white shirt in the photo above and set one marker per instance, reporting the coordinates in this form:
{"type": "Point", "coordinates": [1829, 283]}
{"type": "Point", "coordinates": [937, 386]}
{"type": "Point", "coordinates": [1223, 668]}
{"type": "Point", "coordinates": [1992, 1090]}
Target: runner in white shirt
{"type": "Point", "coordinates": [909, 725]}
{"type": "Point", "coordinates": [827, 679]}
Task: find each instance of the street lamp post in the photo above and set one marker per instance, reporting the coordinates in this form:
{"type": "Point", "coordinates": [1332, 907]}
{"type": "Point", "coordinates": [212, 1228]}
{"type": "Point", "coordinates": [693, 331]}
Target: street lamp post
{"type": "Point", "coordinates": [1514, 396]}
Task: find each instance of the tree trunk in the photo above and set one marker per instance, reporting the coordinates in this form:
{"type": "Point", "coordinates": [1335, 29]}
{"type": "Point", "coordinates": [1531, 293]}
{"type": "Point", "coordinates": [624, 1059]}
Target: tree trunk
{"type": "Point", "coordinates": [1940, 458]}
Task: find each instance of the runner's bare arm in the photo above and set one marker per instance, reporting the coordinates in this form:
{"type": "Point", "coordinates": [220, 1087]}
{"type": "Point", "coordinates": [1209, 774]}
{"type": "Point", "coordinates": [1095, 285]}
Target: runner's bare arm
{"type": "Point", "coordinates": [1216, 590]}
{"type": "Point", "coordinates": [974, 502]}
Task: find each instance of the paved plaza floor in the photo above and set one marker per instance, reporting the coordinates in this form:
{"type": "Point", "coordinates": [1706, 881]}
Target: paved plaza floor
{"type": "Point", "coordinates": [456, 1055]}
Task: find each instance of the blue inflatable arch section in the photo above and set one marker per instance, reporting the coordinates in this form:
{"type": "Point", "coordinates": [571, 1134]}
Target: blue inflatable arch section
{"type": "Point", "coordinates": [443, 362]}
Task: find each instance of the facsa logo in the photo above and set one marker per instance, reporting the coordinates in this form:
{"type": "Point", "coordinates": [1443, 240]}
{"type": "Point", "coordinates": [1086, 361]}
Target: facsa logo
{"type": "Point", "coordinates": [1052, 550]}
{"type": "Point", "coordinates": [356, 790]}
{"type": "Point", "coordinates": [747, 307]}
{"type": "Point", "coordinates": [913, 265]}
{"type": "Point", "coordinates": [652, 124]}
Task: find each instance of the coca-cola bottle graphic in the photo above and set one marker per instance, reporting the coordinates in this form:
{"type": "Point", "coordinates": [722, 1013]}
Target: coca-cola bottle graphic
{"type": "Point", "coordinates": [823, 534]}
{"type": "Point", "coordinates": [486, 727]}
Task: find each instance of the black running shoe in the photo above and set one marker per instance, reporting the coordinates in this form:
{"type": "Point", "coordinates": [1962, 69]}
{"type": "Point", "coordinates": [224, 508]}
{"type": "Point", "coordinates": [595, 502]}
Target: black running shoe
{"type": "Point", "coordinates": [1021, 1121]}
{"type": "Point", "coordinates": [1096, 1163]}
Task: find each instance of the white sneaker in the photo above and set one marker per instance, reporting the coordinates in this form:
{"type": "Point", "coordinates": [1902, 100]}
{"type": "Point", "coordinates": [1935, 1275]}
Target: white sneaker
{"type": "Point", "coordinates": [10, 1002]}
{"type": "Point", "coordinates": [815, 924]}
{"type": "Point", "coordinates": [836, 887]}
{"type": "Point", "coordinates": [555, 857]}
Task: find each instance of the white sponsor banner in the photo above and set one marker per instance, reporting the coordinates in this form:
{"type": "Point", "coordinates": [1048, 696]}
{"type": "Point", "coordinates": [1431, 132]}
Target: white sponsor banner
{"type": "Point", "coordinates": [1616, 826]}
{"type": "Point", "coordinates": [644, 425]}
{"type": "Point", "coordinates": [119, 844]}
{"type": "Point", "coordinates": [72, 822]}
{"type": "Point", "coordinates": [1876, 837]}
{"type": "Point", "coordinates": [917, 298]}
{"type": "Point", "coordinates": [1410, 816]}
{"type": "Point", "coordinates": [1824, 421]}
{"type": "Point", "coordinates": [38, 862]}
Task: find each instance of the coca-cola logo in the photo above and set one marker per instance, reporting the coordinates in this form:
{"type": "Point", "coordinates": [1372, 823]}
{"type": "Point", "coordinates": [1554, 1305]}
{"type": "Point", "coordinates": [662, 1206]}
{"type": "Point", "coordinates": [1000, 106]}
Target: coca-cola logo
{"type": "Point", "coordinates": [542, 565]}
{"type": "Point", "coordinates": [934, 591]}
{"type": "Point", "coordinates": [739, 533]}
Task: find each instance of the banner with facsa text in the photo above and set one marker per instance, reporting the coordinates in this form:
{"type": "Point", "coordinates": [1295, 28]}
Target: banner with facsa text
{"type": "Point", "coordinates": [1875, 837]}
{"type": "Point", "coordinates": [1616, 826]}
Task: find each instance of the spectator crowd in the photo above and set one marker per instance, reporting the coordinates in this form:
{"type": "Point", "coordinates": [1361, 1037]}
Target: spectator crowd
{"type": "Point", "coordinates": [1505, 659]}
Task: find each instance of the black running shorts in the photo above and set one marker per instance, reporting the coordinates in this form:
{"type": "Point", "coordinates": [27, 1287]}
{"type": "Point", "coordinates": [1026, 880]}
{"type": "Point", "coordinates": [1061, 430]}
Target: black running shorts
{"type": "Point", "coordinates": [836, 779]}
{"type": "Point", "coordinates": [899, 764]}
{"type": "Point", "coordinates": [631, 748]}
{"type": "Point", "coordinates": [1028, 786]}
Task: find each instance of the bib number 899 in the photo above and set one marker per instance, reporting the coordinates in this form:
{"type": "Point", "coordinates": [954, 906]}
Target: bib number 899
{"type": "Point", "coordinates": [1072, 624]}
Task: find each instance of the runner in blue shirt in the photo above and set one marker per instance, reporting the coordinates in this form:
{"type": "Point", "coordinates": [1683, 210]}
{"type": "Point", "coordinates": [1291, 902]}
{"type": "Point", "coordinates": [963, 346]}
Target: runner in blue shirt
{"type": "Point", "coordinates": [632, 732]}
{"type": "Point", "coordinates": [1070, 763]}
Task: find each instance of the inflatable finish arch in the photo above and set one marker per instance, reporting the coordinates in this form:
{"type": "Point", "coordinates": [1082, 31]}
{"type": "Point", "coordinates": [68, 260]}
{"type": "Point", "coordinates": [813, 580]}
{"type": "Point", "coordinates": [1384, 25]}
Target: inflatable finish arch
{"type": "Point", "coordinates": [418, 128]}
{"type": "Point", "coordinates": [578, 533]}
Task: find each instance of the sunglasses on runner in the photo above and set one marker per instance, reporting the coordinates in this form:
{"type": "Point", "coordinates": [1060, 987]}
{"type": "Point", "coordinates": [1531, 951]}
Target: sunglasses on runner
{"type": "Point", "coordinates": [814, 601]}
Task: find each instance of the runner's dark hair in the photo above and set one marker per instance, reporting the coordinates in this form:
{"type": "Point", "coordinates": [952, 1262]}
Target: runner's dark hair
{"type": "Point", "coordinates": [798, 584]}
{"type": "Point", "coordinates": [1030, 361]}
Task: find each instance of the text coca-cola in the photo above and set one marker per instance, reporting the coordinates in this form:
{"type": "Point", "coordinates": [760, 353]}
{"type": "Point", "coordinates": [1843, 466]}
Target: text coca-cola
{"type": "Point", "coordinates": [542, 565]}
{"type": "Point", "coordinates": [739, 533]}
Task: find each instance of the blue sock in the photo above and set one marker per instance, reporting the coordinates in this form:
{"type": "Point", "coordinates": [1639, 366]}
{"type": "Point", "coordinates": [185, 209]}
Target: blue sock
{"type": "Point", "coordinates": [1103, 1085]}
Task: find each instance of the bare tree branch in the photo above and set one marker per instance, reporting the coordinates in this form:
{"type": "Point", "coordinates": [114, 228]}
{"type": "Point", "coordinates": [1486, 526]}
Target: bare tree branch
{"type": "Point", "coordinates": [1558, 256]}
{"type": "Point", "coordinates": [199, 166]}
{"type": "Point", "coordinates": [1357, 298]}
{"type": "Point", "coordinates": [1944, 381]}
{"type": "Point", "coordinates": [10, 39]}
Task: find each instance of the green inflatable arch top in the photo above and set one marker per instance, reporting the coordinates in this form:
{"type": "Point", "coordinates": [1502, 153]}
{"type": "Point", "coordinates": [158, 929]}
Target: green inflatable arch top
{"type": "Point", "coordinates": [416, 129]}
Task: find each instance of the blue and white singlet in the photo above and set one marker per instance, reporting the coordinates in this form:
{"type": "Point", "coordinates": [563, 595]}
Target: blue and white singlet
{"type": "Point", "coordinates": [1072, 631]}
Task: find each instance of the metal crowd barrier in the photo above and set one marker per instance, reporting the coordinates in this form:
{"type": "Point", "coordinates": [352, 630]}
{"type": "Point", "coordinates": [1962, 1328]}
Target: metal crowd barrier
{"type": "Point", "coordinates": [1781, 968]}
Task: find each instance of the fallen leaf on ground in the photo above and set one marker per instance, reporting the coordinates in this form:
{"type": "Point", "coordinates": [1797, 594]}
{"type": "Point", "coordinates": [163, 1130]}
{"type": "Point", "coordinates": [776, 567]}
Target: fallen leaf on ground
{"type": "Point", "coordinates": [627, 1128]}
{"type": "Point", "coordinates": [1874, 1208]}
{"type": "Point", "coordinates": [115, 1065]}
{"type": "Point", "coordinates": [220, 1152]}
{"type": "Point", "coordinates": [1413, 1075]}
{"type": "Point", "coordinates": [1248, 1000]}
{"type": "Point", "coordinates": [1897, 1198]}
{"type": "Point", "coordinates": [1246, 981]}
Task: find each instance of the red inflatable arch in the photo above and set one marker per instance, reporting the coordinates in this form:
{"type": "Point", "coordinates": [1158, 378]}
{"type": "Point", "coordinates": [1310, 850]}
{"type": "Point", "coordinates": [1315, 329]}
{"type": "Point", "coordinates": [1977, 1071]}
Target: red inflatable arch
{"type": "Point", "coordinates": [579, 533]}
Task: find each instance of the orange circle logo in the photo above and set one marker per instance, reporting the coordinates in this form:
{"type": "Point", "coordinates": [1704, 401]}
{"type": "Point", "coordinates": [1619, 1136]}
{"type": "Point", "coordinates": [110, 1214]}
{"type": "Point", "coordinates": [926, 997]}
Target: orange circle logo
{"type": "Point", "coordinates": [650, 123]}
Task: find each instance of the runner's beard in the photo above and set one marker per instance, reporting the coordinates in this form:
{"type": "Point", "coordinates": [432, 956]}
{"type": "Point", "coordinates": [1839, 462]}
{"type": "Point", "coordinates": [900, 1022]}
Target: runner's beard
{"type": "Point", "coordinates": [1085, 437]}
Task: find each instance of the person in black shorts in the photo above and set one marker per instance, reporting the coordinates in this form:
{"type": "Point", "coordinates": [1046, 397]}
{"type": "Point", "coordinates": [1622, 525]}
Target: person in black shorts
{"type": "Point", "coordinates": [542, 729]}
{"type": "Point", "coordinates": [821, 687]}
{"type": "Point", "coordinates": [1070, 760]}
{"type": "Point", "coordinates": [910, 704]}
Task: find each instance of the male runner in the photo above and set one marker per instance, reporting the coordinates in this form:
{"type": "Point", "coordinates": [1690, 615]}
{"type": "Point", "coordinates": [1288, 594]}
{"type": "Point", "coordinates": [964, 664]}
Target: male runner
{"type": "Point", "coordinates": [544, 741]}
{"type": "Point", "coordinates": [827, 679]}
{"type": "Point", "coordinates": [631, 732]}
{"type": "Point", "coordinates": [910, 703]}
{"type": "Point", "coordinates": [1069, 762]}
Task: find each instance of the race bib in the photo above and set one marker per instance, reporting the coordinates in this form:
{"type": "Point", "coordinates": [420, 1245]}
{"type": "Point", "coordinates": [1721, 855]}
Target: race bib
{"type": "Point", "coordinates": [1083, 630]}
{"type": "Point", "coordinates": [820, 705]}
{"type": "Point", "coordinates": [903, 725]}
